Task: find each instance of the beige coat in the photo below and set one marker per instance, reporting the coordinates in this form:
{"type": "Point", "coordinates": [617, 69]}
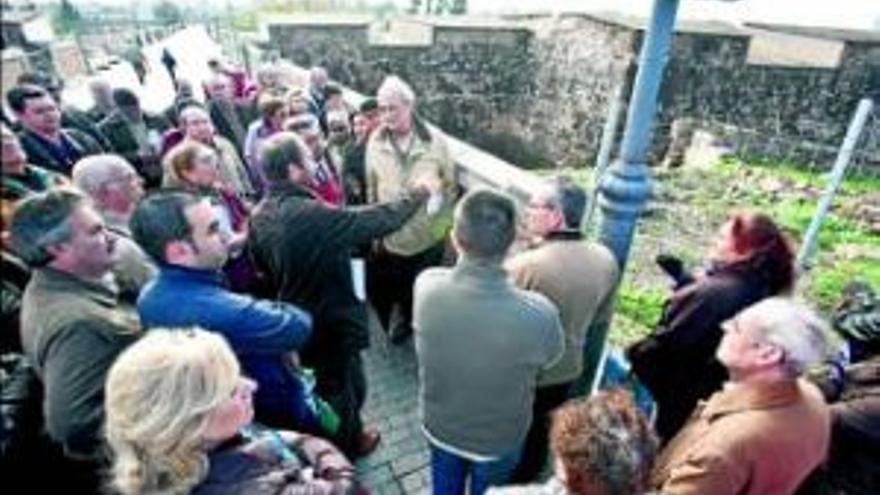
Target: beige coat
{"type": "Point", "coordinates": [390, 171]}
{"type": "Point", "coordinates": [578, 277]}
{"type": "Point", "coordinates": [748, 439]}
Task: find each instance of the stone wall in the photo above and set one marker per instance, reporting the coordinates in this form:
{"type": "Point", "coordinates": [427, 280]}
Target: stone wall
{"type": "Point", "coordinates": [537, 90]}
{"type": "Point", "coordinates": [466, 79]}
{"type": "Point", "coordinates": [799, 113]}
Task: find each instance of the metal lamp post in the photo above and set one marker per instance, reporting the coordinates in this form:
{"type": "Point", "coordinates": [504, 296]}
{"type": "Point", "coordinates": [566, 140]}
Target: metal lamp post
{"type": "Point", "coordinates": [627, 185]}
{"type": "Point", "coordinates": [625, 188]}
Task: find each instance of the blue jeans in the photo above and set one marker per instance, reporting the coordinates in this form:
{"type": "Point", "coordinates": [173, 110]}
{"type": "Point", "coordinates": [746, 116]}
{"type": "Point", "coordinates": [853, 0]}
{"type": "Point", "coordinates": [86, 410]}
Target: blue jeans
{"type": "Point", "coordinates": [450, 472]}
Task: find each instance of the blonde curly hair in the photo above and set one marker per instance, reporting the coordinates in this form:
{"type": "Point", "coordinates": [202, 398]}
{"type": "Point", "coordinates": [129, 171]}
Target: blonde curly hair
{"type": "Point", "coordinates": [160, 394]}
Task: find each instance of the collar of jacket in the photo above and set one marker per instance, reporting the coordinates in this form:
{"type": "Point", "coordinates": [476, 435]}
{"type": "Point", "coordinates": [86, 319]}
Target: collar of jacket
{"type": "Point", "coordinates": [564, 235]}
{"type": "Point", "coordinates": [487, 272]}
{"type": "Point", "coordinates": [177, 273]}
{"type": "Point", "coordinates": [289, 189]}
{"type": "Point", "coordinates": [419, 127]}
{"type": "Point", "coordinates": [750, 396]}
{"type": "Point", "coordinates": [57, 280]}
{"type": "Point", "coordinates": [63, 133]}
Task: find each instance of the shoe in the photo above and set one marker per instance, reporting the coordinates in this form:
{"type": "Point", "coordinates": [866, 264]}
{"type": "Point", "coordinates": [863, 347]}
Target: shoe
{"type": "Point", "coordinates": [368, 441]}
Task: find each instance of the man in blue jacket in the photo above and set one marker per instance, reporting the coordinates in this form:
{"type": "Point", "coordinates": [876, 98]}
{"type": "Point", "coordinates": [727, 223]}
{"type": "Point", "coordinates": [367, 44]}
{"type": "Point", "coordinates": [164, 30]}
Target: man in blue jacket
{"type": "Point", "coordinates": [182, 233]}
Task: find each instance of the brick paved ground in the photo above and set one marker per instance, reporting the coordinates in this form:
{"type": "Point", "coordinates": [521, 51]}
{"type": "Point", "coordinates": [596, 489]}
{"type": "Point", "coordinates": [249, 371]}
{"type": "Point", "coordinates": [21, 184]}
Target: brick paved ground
{"type": "Point", "coordinates": [400, 464]}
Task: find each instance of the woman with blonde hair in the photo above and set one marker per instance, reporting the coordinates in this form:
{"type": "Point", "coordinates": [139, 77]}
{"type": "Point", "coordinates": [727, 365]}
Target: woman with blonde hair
{"type": "Point", "coordinates": [178, 416]}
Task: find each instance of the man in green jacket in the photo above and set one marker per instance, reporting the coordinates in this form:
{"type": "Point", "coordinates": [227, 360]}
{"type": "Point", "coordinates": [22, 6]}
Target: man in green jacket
{"type": "Point", "coordinates": [72, 325]}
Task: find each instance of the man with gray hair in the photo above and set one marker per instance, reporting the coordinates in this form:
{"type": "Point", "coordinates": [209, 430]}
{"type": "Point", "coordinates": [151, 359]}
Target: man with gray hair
{"type": "Point", "coordinates": [481, 344]}
{"type": "Point", "coordinates": [767, 429]}
{"type": "Point", "coordinates": [579, 277]}
{"type": "Point", "coordinates": [72, 324]}
{"type": "Point", "coordinates": [102, 100]}
{"type": "Point", "coordinates": [404, 149]}
{"type": "Point", "coordinates": [231, 118]}
{"type": "Point", "coordinates": [197, 125]}
{"type": "Point", "coordinates": [115, 188]}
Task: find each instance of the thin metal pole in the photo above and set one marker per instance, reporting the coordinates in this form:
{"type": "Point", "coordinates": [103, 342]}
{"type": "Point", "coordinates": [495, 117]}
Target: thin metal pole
{"type": "Point", "coordinates": [627, 185]}
{"type": "Point", "coordinates": [603, 159]}
{"type": "Point", "coordinates": [856, 125]}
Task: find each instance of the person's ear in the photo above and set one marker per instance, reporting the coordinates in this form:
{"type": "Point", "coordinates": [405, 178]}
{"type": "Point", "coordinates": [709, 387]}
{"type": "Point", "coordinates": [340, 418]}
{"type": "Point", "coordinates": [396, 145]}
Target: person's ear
{"type": "Point", "coordinates": [177, 252]}
{"type": "Point", "coordinates": [771, 354]}
{"type": "Point", "coordinates": [558, 219]}
{"type": "Point", "coordinates": [56, 250]}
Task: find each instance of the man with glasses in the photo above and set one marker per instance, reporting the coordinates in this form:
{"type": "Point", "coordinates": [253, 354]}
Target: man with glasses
{"type": "Point", "coordinates": [767, 429]}
{"type": "Point", "coordinates": [578, 276]}
{"type": "Point", "coordinates": [43, 139]}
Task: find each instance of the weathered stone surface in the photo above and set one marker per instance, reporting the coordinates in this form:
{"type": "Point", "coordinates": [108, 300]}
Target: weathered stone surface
{"type": "Point", "coordinates": [538, 90]}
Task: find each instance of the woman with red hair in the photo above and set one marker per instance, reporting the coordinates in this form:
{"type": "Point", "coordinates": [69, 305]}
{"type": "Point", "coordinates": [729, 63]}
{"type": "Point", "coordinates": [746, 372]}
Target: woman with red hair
{"type": "Point", "coordinates": [751, 260]}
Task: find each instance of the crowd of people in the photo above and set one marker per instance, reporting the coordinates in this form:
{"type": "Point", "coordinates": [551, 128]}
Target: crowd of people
{"type": "Point", "coordinates": [191, 290]}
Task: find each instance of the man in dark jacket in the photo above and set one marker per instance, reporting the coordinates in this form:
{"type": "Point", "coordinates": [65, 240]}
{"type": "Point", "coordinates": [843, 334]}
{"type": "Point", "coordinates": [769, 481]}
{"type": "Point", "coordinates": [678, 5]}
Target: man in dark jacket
{"type": "Point", "coordinates": [45, 142]}
{"type": "Point", "coordinates": [136, 135]}
{"type": "Point", "coordinates": [304, 248]}
{"type": "Point", "coordinates": [182, 233]}
{"type": "Point", "coordinates": [71, 117]}
{"type": "Point", "coordinates": [230, 118]}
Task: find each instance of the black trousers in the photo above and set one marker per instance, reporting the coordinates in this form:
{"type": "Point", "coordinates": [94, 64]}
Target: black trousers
{"type": "Point", "coordinates": [535, 450]}
{"type": "Point", "coordinates": [390, 279]}
{"type": "Point", "coordinates": [342, 383]}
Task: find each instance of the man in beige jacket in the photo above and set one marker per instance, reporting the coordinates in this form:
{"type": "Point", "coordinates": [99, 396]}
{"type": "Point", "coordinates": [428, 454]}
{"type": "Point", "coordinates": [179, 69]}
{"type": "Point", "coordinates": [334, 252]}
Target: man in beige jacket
{"type": "Point", "coordinates": [579, 277]}
{"type": "Point", "coordinates": [402, 151]}
{"type": "Point", "coordinates": [767, 429]}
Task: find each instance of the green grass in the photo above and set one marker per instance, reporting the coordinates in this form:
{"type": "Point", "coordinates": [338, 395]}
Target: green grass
{"type": "Point", "coordinates": [641, 305]}
{"type": "Point", "coordinates": [789, 194]}
{"type": "Point", "coordinates": [834, 231]}
{"type": "Point", "coordinates": [853, 183]}
{"type": "Point", "coordinates": [824, 287]}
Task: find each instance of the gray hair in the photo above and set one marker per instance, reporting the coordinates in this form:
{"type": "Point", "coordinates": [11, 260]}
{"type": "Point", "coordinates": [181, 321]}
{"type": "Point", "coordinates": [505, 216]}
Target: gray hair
{"type": "Point", "coordinates": [185, 113]}
{"type": "Point", "coordinates": [99, 83]}
{"type": "Point", "coordinates": [41, 221]}
{"type": "Point", "coordinates": [568, 197]}
{"type": "Point", "coordinates": [395, 87]}
{"type": "Point", "coordinates": [93, 173]}
{"type": "Point", "coordinates": [485, 224]}
{"type": "Point", "coordinates": [795, 329]}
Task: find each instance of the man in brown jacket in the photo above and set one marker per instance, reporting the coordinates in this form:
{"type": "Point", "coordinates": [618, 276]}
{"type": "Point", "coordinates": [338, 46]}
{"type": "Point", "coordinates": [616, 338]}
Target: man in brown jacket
{"type": "Point", "coordinates": [767, 429]}
{"type": "Point", "coordinates": [578, 276]}
{"type": "Point", "coordinates": [72, 325]}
